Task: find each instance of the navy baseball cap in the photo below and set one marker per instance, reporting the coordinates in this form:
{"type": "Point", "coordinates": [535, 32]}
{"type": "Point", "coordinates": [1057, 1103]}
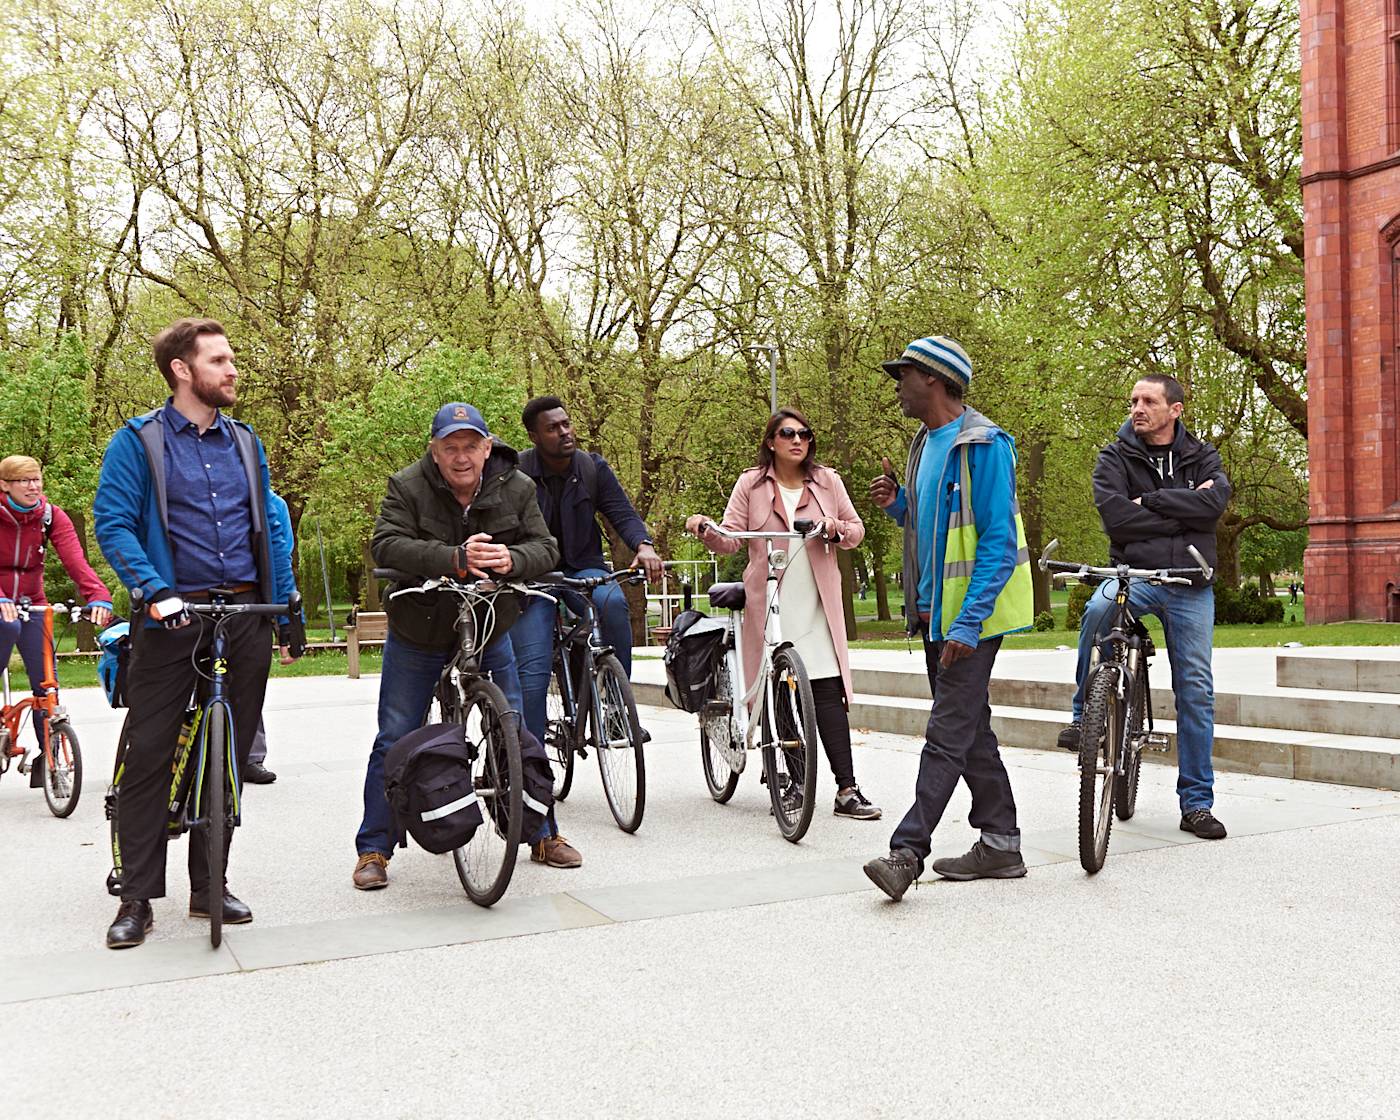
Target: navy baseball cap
{"type": "Point", "coordinates": [458, 417]}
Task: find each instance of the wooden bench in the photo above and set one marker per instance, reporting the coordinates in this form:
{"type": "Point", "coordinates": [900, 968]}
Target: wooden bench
{"type": "Point", "coordinates": [367, 628]}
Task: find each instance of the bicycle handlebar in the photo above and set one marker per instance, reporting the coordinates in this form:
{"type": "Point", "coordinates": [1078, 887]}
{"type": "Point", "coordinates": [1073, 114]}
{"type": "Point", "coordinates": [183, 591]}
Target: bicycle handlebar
{"type": "Point", "coordinates": [226, 608]}
{"type": "Point", "coordinates": [801, 530]}
{"type": "Point", "coordinates": [70, 608]}
{"type": "Point", "coordinates": [588, 583]}
{"type": "Point", "coordinates": [448, 583]}
{"type": "Point", "coordinates": [1121, 571]}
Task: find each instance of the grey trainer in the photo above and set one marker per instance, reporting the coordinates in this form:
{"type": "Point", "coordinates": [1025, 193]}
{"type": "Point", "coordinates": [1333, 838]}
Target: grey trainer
{"type": "Point", "coordinates": [981, 862]}
{"type": "Point", "coordinates": [893, 873]}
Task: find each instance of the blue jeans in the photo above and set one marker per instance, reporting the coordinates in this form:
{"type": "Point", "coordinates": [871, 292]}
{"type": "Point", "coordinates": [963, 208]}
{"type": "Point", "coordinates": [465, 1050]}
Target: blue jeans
{"type": "Point", "coordinates": [29, 636]}
{"type": "Point", "coordinates": [533, 639]}
{"type": "Point", "coordinates": [1188, 617]}
{"type": "Point", "coordinates": [406, 686]}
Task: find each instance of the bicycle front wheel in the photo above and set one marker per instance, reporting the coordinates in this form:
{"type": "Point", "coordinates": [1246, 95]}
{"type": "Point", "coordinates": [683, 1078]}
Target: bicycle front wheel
{"type": "Point", "coordinates": [617, 741]}
{"type": "Point", "coordinates": [790, 746]}
{"type": "Point", "coordinates": [486, 862]}
{"type": "Point", "coordinates": [217, 809]}
{"type": "Point", "coordinates": [1125, 793]}
{"type": "Point", "coordinates": [114, 877]}
{"type": "Point", "coordinates": [558, 733]}
{"type": "Point", "coordinates": [63, 770]}
{"type": "Point", "coordinates": [1100, 743]}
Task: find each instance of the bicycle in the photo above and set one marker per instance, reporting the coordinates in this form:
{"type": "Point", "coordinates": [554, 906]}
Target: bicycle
{"type": "Point", "coordinates": [59, 757]}
{"type": "Point", "coordinates": [590, 703]}
{"type": "Point", "coordinates": [784, 725]}
{"type": "Point", "coordinates": [1116, 725]}
{"type": "Point", "coordinates": [466, 696]}
{"type": "Point", "coordinates": [207, 796]}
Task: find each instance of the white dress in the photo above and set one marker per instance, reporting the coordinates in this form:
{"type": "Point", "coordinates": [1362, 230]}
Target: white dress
{"type": "Point", "coordinates": [799, 602]}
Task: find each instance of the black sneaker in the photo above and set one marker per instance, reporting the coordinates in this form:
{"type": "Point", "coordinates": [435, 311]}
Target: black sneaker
{"type": "Point", "coordinates": [1202, 824]}
{"type": "Point", "coordinates": [981, 862]}
{"type": "Point", "coordinates": [1069, 737]}
{"type": "Point", "coordinates": [893, 873]}
{"type": "Point", "coordinates": [856, 806]}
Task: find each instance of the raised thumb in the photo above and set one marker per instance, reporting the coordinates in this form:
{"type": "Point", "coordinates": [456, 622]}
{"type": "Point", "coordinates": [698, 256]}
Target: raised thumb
{"type": "Point", "coordinates": [886, 465]}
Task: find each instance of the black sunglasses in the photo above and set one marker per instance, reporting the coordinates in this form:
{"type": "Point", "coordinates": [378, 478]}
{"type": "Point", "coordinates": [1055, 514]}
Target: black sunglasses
{"type": "Point", "coordinates": [804, 434]}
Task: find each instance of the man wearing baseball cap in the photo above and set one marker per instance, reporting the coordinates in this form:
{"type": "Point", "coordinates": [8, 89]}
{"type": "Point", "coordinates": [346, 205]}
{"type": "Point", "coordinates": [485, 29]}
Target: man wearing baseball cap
{"type": "Point", "coordinates": [967, 582]}
{"type": "Point", "coordinates": [461, 510]}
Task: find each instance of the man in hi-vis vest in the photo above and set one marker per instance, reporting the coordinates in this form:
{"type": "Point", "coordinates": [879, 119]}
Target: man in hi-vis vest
{"type": "Point", "coordinates": [967, 582]}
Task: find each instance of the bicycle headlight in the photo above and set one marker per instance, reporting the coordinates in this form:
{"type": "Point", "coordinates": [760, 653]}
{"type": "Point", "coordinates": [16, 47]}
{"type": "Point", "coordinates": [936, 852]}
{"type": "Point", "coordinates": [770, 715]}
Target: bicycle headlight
{"type": "Point", "coordinates": [779, 559]}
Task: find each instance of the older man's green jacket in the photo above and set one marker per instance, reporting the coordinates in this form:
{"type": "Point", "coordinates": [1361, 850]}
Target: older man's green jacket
{"type": "Point", "coordinates": [421, 523]}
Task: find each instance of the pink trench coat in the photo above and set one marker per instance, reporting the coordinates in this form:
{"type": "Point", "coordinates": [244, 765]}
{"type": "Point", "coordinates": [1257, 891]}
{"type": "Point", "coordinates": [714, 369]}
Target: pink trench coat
{"type": "Point", "coordinates": [755, 504]}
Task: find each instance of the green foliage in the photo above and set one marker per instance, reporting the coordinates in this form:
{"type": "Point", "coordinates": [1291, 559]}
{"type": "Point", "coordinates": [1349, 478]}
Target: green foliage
{"type": "Point", "coordinates": [1045, 621]}
{"type": "Point", "coordinates": [1246, 604]}
{"type": "Point", "coordinates": [1079, 596]}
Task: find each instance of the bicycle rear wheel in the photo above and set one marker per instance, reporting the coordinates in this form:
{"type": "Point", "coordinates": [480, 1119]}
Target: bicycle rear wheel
{"type": "Point", "coordinates": [63, 770]}
{"type": "Point", "coordinates": [617, 741]}
{"type": "Point", "coordinates": [720, 778]}
{"type": "Point", "coordinates": [790, 746]}
{"type": "Point", "coordinates": [486, 862]}
{"type": "Point", "coordinates": [558, 734]}
{"type": "Point", "coordinates": [1126, 791]}
{"type": "Point", "coordinates": [1100, 742]}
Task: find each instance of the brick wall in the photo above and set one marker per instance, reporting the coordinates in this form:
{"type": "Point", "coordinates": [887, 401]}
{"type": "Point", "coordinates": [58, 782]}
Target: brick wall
{"type": "Point", "coordinates": [1351, 215]}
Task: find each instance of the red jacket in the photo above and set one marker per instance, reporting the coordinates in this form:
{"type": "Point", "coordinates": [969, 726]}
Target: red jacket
{"type": "Point", "coordinates": [22, 546]}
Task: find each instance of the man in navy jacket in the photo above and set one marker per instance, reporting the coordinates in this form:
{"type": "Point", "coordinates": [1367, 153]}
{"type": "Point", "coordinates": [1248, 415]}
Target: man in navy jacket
{"type": "Point", "coordinates": [573, 487]}
{"type": "Point", "coordinates": [182, 509]}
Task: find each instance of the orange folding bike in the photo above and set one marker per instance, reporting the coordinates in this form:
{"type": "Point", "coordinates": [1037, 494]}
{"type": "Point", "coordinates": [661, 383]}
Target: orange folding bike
{"type": "Point", "coordinates": [59, 760]}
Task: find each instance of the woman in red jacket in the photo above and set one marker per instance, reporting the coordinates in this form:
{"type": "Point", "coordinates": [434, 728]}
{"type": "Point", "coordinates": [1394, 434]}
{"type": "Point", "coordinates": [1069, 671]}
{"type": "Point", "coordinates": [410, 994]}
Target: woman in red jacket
{"type": "Point", "coordinates": [27, 523]}
{"type": "Point", "coordinates": [787, 484]}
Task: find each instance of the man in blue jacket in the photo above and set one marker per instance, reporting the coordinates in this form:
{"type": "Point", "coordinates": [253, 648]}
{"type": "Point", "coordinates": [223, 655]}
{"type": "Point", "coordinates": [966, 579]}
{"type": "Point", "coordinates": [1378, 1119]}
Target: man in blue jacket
{"type": "Point", "coordinates": [967, 582]}
{"type": "Point", "coordinates": [182, 510]}
{"type": "Point", "coordinates": [573, 487]}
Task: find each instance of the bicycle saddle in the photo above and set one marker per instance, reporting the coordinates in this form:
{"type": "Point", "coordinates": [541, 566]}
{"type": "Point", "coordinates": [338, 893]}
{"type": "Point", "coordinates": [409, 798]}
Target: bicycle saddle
{"type": "Point", "coordinates": [729, 596]}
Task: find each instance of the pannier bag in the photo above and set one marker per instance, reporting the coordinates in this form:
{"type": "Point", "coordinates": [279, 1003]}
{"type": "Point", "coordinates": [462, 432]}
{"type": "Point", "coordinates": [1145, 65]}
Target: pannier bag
{"type": "Point", "coordinates": [114, 646]}
{"type": "Point", "coordinates": [692, 655]}
{"type": "Point", "coordinates": [428, 781]}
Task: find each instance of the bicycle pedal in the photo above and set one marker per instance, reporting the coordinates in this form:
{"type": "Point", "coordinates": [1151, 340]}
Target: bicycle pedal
{"type": "Point", "coordinates": [1156, 741]}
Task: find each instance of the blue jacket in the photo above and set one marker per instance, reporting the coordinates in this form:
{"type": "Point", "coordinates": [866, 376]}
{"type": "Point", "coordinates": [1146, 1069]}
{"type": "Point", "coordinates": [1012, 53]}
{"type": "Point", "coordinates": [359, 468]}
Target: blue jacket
{"type": "Point", "coordinates": [129, 514]}
{"type": "Point", "coordinates": [582, 546]}
{"type": "Point", "coordinates": [992, 464]}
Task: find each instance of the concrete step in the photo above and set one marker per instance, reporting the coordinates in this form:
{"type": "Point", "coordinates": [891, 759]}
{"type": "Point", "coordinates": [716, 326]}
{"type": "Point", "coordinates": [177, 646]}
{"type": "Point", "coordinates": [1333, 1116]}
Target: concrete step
{"type": "Point", "coordinates": [1374, 672]}
{"type": "Point", "coordinates": [1360, 760]}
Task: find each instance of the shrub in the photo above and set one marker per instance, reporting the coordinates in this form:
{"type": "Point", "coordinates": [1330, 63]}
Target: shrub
{"type": "Point", "coordinates": [1074, 613]}
{"type": "Point", "coordinates": [1045, 621]}
{"type": "Point", "coordinates": [1247, 605]}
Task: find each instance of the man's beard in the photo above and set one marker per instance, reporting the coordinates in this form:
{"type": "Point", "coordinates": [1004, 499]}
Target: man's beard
{"type": "Point", "coordinates": [212, 394]}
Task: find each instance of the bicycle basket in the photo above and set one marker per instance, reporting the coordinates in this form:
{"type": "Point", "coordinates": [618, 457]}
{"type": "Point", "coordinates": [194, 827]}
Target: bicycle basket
{"type": "Point", "coordinates": [114, 644]}
{"type": "Point", "coordinates": [692, 654]}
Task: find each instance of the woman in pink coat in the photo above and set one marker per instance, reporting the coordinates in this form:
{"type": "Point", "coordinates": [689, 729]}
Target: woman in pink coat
{"type": "Point", "coordinates": [788, 484]}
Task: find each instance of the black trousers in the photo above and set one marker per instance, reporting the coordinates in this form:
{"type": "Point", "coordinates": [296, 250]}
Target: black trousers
{"type": "Point", "coordinates": [834, 726]}
{"type": "Point", "coordinates": [159, 683]}
{"type": "Point", "coordinates": [959, 743]}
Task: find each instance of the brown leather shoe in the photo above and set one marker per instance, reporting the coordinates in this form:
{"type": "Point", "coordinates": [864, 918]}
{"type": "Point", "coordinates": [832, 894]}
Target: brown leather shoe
{"type": "Point", "coordinates": [556, 852]}
{"type": "Point", "coordinates": [371, 871]}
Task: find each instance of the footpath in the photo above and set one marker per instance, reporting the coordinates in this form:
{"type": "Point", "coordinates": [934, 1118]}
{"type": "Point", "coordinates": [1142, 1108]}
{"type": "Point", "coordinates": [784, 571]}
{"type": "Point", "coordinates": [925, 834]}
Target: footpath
{"type": "Point", "coordinates": [706, 967]}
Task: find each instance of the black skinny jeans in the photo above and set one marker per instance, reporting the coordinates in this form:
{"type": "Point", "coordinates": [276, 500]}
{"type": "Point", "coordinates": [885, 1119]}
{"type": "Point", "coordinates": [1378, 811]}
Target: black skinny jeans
{"type": "Point", "coordinates": [829, 694]}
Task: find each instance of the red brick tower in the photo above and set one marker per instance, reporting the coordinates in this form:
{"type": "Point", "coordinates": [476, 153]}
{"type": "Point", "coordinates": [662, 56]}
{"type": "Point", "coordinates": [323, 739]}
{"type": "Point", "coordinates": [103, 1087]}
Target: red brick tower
{"type": "Point", "coordinates": [1351, 221]}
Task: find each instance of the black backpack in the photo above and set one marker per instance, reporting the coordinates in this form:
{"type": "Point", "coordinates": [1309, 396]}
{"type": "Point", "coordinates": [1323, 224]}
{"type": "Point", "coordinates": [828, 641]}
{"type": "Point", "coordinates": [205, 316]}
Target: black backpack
{"type": "Point", "coordinates": [428, 781]}
{"type": "Point", "coordinates": [692, 654]}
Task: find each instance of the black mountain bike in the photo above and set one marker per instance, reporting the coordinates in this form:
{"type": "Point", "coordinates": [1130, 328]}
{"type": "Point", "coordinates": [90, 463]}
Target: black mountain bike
{"type": "Point", "coordinates": [590, 703]}
{"type": "Point", "coordinates": [466, 696]}
{"type": "Point", "coordinates": [1116, 725]}
{"type": "Point", "coordinates": [207, 796]}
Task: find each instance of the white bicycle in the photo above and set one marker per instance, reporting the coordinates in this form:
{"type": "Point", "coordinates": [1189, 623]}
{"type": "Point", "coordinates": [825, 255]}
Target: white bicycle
{"type": "Point", "coordinates": [783, 723]}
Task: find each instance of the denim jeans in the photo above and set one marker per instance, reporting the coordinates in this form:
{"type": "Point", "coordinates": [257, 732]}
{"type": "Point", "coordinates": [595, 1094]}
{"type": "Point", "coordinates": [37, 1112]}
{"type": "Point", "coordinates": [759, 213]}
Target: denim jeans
{"type": "Point", "coordinates": [533, 639]}
{"type": "Point", "coordinates": [29, 636]}
{"type": "Point", "coordinates": [959, 743]}
{"type": "Point", "coordinates": [1188, 618]}
{"type": "Point", "coordinates": [406, 685]}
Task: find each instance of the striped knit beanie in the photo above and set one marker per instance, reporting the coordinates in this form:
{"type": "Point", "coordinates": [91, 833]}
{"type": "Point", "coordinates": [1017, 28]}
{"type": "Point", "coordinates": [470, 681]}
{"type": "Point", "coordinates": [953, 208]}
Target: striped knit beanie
{"type": "Point", "coordinates": [936, 354]}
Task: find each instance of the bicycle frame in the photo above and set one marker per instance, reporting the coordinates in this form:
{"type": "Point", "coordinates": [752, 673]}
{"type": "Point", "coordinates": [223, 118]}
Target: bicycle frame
{"type": "Point", "coordinates": [13, 713]}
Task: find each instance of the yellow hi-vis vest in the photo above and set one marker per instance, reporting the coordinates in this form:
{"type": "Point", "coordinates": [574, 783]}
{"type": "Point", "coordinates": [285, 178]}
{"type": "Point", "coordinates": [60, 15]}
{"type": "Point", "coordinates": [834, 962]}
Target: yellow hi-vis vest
{"type": "Point", "coordinates": [1014, 608]}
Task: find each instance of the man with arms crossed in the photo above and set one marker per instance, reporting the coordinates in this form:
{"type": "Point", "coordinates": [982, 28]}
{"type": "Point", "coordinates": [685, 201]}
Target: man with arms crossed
{"type": "Point", "coordinates": [573, 487]}
{"type": "Point", "coordinates": [967, 582]}
{"type": "Point", "coordinates": [182, 510]}
{"type": "Point", "coordinates": [1159, 491]}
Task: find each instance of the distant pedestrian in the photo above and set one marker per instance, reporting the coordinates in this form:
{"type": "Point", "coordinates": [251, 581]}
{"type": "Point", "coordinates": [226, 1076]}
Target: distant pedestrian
{"type": "Point", "coordinates": [1292, 591]}
{"type": "Point", "coordinates": [967, 583]}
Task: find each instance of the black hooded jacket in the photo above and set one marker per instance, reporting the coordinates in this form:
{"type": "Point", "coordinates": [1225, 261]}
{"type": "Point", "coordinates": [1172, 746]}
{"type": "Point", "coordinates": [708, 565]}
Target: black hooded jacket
{"type": "Point", "coordinates": [421, 524]}
{"type": "Point", "coordinates": [1174, 514]}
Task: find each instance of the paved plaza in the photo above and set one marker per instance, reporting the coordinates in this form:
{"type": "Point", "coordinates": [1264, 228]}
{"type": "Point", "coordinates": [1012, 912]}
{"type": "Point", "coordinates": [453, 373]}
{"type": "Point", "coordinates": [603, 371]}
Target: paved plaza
{"type": "Point", "coordinates": [705, 967]}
